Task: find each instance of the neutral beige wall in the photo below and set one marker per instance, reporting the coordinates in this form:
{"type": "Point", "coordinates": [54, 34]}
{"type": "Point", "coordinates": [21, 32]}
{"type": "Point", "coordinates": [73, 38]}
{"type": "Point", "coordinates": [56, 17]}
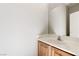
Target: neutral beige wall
{"type": "Point", "coordinates": [57, 20]}
{"type": "Point", "coordinates": [20, 23]}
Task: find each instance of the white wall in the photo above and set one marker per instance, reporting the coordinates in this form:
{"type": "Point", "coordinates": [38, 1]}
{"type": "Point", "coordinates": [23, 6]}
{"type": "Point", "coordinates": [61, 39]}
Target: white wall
{"type": "Point", "coordinates": [74, 24]}
{"type": "Point", "coordinates": [19, 26]}
{"type": "Point", "coordinates": [57, 20]}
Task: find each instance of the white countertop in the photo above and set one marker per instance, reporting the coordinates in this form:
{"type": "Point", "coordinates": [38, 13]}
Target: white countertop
{"type": "Point", "coordinates": [68, 44]}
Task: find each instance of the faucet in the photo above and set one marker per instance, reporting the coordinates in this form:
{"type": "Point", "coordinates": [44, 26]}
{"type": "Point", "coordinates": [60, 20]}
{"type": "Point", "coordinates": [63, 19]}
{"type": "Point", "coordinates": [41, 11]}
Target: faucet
{"type": "Point", "coordinates": [59, 38]}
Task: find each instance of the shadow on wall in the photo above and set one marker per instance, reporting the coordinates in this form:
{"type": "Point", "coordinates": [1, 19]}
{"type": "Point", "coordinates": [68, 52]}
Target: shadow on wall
{"type": "Point", "coordinates": [50, 30]}
{"type": "Point", "coordinates": [47, 30]}
{"type": "Point", "coordinates": [44, 31]}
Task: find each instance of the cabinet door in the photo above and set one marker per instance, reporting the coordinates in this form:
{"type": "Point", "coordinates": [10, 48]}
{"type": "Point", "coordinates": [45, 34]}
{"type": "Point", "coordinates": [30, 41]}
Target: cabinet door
{"type": "Point", "coordinates": [43, 49]}
{"type": "Point", "coordinates": [58, 52]}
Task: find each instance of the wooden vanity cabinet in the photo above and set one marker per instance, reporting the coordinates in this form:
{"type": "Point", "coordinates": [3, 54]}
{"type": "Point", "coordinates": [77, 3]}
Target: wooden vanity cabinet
{"type": "Point", "coordinates": [47, 50]}
{"type": "Point", "coordinates": [43, 49]}
{"type": "Point", "coordinates": [58, 52]}
{"type": "Point", "coordinates": [52, 51]}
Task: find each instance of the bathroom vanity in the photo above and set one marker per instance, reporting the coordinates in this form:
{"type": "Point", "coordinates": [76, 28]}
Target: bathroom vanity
{"type": "Point", "coordinates": [50, 46]}
{"type": "Point", "coordinates": [48, 50]}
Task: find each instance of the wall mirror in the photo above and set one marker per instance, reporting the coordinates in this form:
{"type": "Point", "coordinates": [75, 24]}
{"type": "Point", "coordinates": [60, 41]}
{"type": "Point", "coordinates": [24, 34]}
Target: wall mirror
{"type": "Point", "coordinates": [73, 21]}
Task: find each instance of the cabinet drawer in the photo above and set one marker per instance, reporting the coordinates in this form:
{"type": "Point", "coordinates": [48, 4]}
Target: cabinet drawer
{"type": "Point", "coordinates": [58, 52]}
